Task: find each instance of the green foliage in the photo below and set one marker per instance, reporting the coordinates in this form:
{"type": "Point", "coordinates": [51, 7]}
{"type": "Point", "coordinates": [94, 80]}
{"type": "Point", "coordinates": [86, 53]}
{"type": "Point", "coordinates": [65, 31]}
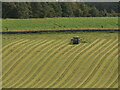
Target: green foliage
{"type": "Point", "coordinates": [94, 12]}
{"type": "Point", "coordinates": [23, 10]}
{"type": "Point", "coordinates": [60, 23]}
{"type": "Point", "coordinates": [66, 9]}
{"type": "Point", "coordinates": [104, 5]}
{"type": "Point", "coordinates": [37, 10]}
{"type": "Point", "coordinates": [55, 9]}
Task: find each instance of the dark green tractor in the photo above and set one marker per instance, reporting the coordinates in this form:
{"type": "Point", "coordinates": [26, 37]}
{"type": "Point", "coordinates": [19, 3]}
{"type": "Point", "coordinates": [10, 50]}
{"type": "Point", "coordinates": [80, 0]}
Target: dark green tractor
{"type": "Point", "coordinates": [75, 40]}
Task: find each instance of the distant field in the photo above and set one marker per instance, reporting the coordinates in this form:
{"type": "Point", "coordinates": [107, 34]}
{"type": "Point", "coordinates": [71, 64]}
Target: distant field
{"type": "Point", "coordinates": [60, 23]}
{"type": "Point", "coordinates": [47, 60]}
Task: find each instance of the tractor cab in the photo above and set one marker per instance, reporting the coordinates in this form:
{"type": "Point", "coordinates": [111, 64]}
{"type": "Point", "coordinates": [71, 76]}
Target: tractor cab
{"type": "Point", "coordinates": [75, 40]}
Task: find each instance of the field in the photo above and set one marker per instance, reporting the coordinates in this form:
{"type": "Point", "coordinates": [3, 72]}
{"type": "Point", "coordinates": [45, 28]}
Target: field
{"type": "Point", "coordinates": [48, 60]}
{"type": "Point", "coordinates": [60, 23]}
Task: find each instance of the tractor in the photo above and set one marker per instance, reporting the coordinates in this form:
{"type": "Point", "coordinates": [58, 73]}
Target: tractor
{"type": "Point", "coordinates": [75, 40]}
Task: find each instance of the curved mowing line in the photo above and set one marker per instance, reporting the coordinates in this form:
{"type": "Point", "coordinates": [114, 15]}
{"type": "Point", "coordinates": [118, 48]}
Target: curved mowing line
{"type": "Point", "coordinates": [89, 70]}
{"type": "Point", "coordinates": [114, 83]}
{"type": "Point", "coordinates": [57, 72]}
{"type": "Point", "coordinates": [69, 65]}
{"type": "Point", "coordinates": [34, 58]}
{"type": "Point", "coordinates": [8, 45]}
{"type": "Point", "coordinates": [13, 44]}
{"type": "Point", "coordinates": [113, 76]}
{"type": "Point", "coordinates": [77, 63]}
{"type": "Point", "coordinates": [69, 78]}
{"type": "Point", "coordinates": [37, 63]}
{"type": "Point", "coordinates": [72, 64]}
{"type": "Point", "coordinates": [2, 50]}
{"type": "Point", "coordinates": [93, 82]}
{"type": "Point", "coordinates": [5, 53]}
{"type": "Point", "coordinates": [9, 60]}
{"type": "Point", "coordinates": [98, 83]}
{"type": "Point", "coordinates": [18, 60]}
{"type": "Point", "coordinates": [57, 63]}
{"type": "Point", "coordinates": [110, 82]}
{"type": "Point", "coordinates": [45, 63]}
{"type": "Point", "coordinates": [50, 66]}
{"type": "Point", "coordinates": [79, 58]}
{"type": "Point", "coordinates": [61, 43]}
{"type": "Point", "coordinates": [14, 59]}
{"type": "Point", "coordinates": [74, 57]}
{"type": "Point", "coordinates": [30, 57]}
{"type": "Point", "coordinates": [54, 75]}
{"type": "Point", "coordinates": [95, 69]}
{"type": "Point", "coordinates": [100, 70]}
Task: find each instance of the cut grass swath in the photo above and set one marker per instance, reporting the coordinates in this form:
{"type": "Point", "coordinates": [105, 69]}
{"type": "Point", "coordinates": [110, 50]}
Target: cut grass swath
{"type": "Point", "coordinates": [53, 62]}
{"type": "Point", "coordinates": [27, 50]}
{"type": "Point", "coordinates": [61, 69]}
{"type": "Point", "coordinates": [51, 53]}
{"type": "Point", "coordinates": [85, 75]}
{"type": "Point", "coordinates": [42, 47]}
{"type": "Point", "coordinates": [8, 52]}
{"type": "Point", "coordinates": [28, 58]}
{"type": "Point", "coordinates": [40, 58]}
{"type": "Point", "coordinates": [69, 78]}
{"type": "Point", "coordinates": [67, 53]}
{"type": "Point", "coordinates": [97, 74]}
{"type": "Point", "coordinates": [112, 62]}
{"type": "Point", "coordinates": [87, 79]}
{"type": "Point", "coordinates": [10, 59]}
{"type": "Point", "coordinates": [79, 60]}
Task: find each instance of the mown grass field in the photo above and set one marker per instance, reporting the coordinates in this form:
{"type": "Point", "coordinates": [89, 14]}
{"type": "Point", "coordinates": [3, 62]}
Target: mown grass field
{"type": "Point", "coordinates": [47, 60]}
{"type": "Point", "coordinates": [60, 23]}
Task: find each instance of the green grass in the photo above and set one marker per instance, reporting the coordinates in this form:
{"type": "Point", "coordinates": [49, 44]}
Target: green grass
{"type": "Point", "coordinates": [59, 23]}
{"type": "Point", "coordinates": [46, 60]}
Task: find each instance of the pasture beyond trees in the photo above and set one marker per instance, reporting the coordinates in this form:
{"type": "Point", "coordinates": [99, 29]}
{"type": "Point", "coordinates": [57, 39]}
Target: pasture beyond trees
{"type": "Point", "coordinates": [48, 60]}
{"type": "Point", "coordinates": [60, 23]}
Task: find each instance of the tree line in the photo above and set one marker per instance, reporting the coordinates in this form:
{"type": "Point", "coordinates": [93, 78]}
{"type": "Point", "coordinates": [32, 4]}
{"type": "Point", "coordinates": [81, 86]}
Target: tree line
{"type": "Point", "coordinates": [57, 9]}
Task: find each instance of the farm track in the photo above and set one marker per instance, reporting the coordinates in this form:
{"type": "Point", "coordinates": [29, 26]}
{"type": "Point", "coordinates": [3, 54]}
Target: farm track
{"type": "Point", "coordinates": [56, 64]}
{"type": "Point", "coordinates": [61, 30]}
